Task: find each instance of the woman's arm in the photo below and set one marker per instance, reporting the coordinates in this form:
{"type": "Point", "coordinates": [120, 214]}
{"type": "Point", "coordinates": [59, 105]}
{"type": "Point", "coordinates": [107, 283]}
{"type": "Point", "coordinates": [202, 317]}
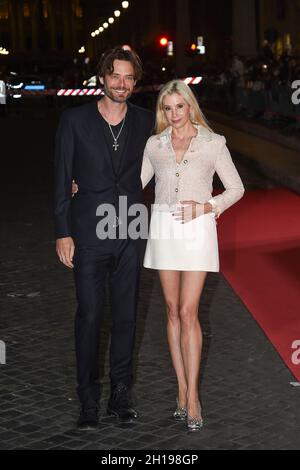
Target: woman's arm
{"type": "Point", "coordinates": [147, 169]}
{"type": "Point", "coordinates": [227, 172]}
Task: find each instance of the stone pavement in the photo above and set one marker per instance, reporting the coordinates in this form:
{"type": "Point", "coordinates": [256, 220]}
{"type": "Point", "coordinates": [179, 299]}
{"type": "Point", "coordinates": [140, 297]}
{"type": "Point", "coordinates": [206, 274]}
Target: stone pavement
{"type": "Point", "coordinates": [248, 402]}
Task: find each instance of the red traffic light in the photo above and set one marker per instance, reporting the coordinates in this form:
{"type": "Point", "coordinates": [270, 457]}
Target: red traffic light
{"type": "Point", "coordinates": [163, 41]}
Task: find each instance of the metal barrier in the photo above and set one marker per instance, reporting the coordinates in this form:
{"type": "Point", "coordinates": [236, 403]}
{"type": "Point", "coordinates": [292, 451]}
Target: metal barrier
{"type": "Point", "coordinates": [255, 101]}
{"type": "Point", "coordinates": [269, 104]}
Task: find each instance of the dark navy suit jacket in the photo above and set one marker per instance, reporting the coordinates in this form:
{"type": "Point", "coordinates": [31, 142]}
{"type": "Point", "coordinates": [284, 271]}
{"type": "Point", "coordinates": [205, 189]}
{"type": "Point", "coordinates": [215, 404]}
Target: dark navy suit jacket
{"type": "Point", "coordinates": [81, 153]}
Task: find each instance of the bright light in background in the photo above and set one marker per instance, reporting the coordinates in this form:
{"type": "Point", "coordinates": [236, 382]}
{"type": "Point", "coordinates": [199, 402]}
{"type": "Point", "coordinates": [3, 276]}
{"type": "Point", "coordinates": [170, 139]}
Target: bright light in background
{"type": "Point", "coordinates": [3, 51]}
{"type": "Point", "coordinates": [170, 48]}
{"type": "Point", "coordinates": [34, 87]}
{"type": "Point", "coordinates": [110, 20]}
{"type": "Point", "coordinates": [164, 69]}
{"type": "Point", "coordinates": [20, 85]}
{"type": "Point", "coordinates": [163, 41]}
{"type": "Point", "coordinates": [81, 50]}
{"type": "Point", "coordinates": [193, 47]}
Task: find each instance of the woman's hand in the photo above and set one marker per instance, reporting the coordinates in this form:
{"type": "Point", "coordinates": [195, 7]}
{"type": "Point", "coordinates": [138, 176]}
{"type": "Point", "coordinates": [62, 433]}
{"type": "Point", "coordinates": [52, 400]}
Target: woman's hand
{"type": "Point", "coordinates": [189, 210]}
{"type": "Point", "coordinates": [74, 188]}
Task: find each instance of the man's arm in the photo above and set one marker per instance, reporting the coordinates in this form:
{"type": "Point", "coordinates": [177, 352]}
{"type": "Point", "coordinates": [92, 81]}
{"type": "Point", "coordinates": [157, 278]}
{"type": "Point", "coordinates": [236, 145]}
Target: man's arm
{"type": "Point", "coordinates": [63, 166]}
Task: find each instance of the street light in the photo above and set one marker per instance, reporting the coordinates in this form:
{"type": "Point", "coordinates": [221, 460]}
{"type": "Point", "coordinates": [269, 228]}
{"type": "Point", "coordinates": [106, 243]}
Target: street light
{"type": "Point", "coordinates": [110, 20]}
{"type": "Point", "coordinates": [163, 41]}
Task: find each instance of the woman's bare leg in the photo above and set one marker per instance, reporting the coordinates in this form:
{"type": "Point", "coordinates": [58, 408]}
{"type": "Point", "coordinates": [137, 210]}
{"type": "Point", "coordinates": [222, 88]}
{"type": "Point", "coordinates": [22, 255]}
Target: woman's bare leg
{"type": "Point", "coordinates": [192, 283]}
{"type": "Point", "coordinates": [170, 282]}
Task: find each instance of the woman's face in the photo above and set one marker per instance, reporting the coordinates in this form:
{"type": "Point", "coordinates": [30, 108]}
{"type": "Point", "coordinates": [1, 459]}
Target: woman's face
{"type": "Point", "coordinates": [176, 110]}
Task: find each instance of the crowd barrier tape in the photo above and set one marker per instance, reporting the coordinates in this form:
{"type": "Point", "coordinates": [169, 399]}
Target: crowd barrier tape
{"type": "Point", "coordinates": [90, 91]}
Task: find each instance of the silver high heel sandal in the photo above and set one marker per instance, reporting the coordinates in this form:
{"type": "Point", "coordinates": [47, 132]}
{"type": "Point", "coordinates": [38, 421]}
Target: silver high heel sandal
{"type": "Point", "coordinates": [195, 423]}
{"type": "Point", "coordinates": [180, 414]}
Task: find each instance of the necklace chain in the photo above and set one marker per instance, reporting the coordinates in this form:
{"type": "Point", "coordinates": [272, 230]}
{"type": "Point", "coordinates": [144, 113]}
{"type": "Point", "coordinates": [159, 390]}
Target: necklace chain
{"type": "Point", "coordinates": [115, 144]}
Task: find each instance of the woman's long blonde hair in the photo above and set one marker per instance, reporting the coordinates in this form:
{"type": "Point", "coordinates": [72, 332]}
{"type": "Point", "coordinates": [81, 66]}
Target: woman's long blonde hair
{"type": "Point", "coordinates": [179, 87]}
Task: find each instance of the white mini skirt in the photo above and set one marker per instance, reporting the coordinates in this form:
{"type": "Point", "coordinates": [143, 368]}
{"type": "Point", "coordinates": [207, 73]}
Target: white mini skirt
{"type": "Point", "coordinates": [192, 246]}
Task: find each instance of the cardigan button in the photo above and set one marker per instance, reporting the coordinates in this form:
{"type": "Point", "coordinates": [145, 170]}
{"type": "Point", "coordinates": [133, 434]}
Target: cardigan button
{"type": "Point", "coordinates": [185, 162]}
{"type": "Point", "coordinates": [176, 190]}
{"type": "Point", "coordinates": [177, 174]}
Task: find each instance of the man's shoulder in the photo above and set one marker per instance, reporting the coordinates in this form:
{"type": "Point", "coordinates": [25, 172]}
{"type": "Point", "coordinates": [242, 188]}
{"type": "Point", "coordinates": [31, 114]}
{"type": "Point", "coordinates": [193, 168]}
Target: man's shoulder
{"type": "Point", "coordinates": [78, 113]}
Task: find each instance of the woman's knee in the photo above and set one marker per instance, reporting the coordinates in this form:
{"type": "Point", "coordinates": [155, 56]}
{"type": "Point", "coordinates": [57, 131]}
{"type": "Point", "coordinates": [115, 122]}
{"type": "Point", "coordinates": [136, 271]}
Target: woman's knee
{"type": "Point", "coordinates": [172, 310]}
{"type": "Point", "coordinates": [188, 314]}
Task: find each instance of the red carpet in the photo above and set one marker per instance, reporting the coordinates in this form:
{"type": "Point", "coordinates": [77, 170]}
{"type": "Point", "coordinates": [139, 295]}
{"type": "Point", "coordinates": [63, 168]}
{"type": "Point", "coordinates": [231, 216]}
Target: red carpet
{"type": "Point", "coordinates": [260, 257]}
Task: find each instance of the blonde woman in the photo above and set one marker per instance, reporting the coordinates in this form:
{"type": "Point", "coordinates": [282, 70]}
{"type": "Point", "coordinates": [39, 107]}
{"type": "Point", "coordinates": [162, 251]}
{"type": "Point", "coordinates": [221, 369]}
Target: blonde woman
{"type": "Point", "coordinates": [184, 155]}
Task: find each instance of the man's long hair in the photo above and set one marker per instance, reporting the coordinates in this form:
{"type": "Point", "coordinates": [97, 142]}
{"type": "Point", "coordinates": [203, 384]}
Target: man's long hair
{"type": "Point", "coordinates": [106, 63]}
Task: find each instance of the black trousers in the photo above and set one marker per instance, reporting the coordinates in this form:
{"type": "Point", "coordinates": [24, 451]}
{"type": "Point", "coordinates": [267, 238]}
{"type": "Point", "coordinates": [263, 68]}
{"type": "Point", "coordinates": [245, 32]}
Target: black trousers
{"type": "Point", "coordinates": [118, 260]}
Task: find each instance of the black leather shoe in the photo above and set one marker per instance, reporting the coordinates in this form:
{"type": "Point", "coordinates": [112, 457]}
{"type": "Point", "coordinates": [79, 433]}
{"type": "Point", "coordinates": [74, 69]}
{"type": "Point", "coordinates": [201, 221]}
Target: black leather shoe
{"type": "Point", "coordinates": [120, 405]}
{"type": "Point", "coordinates": [88, 419]}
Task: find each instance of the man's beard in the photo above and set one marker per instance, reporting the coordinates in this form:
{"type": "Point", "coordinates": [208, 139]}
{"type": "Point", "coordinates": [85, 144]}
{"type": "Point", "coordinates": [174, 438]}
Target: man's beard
{"type": "Point", "coordinates": [115, 98]}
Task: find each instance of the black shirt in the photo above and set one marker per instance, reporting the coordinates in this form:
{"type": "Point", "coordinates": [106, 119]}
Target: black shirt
{"type": "Point", "coordinates": [116, 155]}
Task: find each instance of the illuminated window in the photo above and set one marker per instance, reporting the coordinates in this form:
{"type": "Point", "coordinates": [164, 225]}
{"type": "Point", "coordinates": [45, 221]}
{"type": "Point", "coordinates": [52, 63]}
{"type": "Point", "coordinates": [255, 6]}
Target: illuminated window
{"type": "Point", "coordinates": [279, 47]}
{"type": "Point", "coordinates": [77, 8]}
{"type": "Point", "coordinates": [45, 9]}
{"type": "Point", "coordinates": [3, 9]}
{"type": "Point", "coordinates": [26, 10]}
{"type": "Point", "coordinates": [288, 42]}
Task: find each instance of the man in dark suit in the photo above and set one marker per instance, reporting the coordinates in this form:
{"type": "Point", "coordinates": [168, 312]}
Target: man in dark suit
{"type": "Point", "coordinates": [100, 145]}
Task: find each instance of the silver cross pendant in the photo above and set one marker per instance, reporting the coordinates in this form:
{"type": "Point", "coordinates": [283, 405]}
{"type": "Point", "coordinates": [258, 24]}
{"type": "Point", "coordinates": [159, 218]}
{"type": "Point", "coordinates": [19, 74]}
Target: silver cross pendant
{"type": "Point", "coordinates": [115, 145]}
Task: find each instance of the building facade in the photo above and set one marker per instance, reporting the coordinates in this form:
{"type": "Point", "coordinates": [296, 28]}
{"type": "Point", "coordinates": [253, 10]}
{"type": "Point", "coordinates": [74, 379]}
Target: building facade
{"type": "Point", "coordinates": [53, 30]}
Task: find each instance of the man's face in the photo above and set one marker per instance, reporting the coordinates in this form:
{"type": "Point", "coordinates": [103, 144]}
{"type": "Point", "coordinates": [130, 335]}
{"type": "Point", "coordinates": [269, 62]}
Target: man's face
{"type": "Point", "coordinates": [118, 86]}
